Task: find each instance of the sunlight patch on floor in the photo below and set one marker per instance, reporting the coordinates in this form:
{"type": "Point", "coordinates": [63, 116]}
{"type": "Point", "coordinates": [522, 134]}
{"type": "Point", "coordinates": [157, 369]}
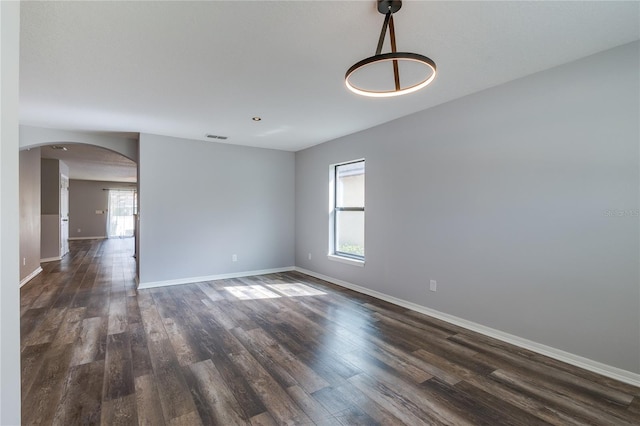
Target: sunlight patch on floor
{"type": "Point", "coordinates": [293, 290]}
{"type": "Point", "coordinates": [251, 292]}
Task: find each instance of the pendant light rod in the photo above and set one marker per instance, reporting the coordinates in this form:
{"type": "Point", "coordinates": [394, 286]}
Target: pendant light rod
{"type": "Point", "coordinates": [392, 34]}
{"type": "Point", "coordinates": [388, 24]}
{"type": "Point", "coordinates": [383, 32]}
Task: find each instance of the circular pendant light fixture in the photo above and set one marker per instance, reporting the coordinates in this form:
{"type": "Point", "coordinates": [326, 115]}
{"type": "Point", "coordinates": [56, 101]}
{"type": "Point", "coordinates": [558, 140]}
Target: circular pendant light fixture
{"type": "Point", "coordinates": [364, 76]}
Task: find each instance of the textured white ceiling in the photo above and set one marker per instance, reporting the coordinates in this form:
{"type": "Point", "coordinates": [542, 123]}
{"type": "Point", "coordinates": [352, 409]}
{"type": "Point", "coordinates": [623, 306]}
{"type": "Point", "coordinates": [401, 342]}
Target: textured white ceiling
{"type": "Point", "coordinates": [190, 68]}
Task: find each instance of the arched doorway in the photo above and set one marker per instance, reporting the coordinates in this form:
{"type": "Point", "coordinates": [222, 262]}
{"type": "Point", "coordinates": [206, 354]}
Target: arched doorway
{"type": "Point", "coordinates": [106, 161]}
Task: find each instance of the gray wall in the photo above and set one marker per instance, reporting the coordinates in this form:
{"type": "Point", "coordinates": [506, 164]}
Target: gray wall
{"type": "Point", "coordinates": [9, 215]}
{"type": "Point", "coordinates": [201, 202]}
{"type": "Point", "coordinates": [29, 212]}
{"type": "Point", "coordinates": [50, 195]}
{"type": "Point", "coordinates": [85, 197]}
{"type": "Point", "coordinates": [521, 201]}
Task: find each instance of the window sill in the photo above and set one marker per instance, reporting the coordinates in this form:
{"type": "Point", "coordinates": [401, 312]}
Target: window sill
{"type": "Point", "coordinates": [347, 260]}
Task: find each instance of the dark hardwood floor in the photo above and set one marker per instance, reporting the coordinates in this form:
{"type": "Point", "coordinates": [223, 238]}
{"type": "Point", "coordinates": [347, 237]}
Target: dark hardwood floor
{"type": "Point", "coordinates": [274, 349]}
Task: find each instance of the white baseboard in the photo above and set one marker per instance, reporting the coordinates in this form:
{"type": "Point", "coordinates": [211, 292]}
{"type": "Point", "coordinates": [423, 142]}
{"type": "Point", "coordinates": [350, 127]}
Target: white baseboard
{"type": "Point", "coordinates": [30, 276]}
{"type": "Point", "coordinates": [87, 238]}
{"type": "Point", "coordinates": [50, 259]}
{"type": "Point", "coordinates": [576, 360]}
{"type": "Point", "coordinates": [142, 286]}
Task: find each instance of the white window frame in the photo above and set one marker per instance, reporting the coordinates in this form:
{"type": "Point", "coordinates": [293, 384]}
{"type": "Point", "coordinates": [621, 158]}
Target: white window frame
{"type": "Point", "coordinates": [332, 254]}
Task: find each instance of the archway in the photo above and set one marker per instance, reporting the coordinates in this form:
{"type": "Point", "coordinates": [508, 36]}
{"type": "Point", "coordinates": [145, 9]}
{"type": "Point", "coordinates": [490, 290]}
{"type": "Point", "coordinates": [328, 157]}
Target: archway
{"type": "Point", "coordinates": [94, 163]}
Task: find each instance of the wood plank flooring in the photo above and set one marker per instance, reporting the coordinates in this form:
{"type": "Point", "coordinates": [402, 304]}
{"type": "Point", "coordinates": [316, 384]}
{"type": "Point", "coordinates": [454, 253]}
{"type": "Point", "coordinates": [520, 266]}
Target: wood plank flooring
{"type": "Point", "coordinates": [276, 349]}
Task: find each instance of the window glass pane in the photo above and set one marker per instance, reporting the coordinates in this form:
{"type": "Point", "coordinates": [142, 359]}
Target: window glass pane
{"type": "Point", "coordinates": [120, 222]}
{"type": "Point", "coordinates": [350, 232]}
{"type": "Point", "coordinates": [350, 185]}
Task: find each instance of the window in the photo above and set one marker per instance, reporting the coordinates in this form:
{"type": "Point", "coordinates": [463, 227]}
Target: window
{"type": "Point", "coordinates": [347, 219]}
{"type": "Point", "coordinates": [122, 206]}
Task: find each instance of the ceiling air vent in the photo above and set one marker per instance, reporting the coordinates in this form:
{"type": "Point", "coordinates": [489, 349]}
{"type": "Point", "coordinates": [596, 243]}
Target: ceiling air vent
{"type": "Point", "coordinates": [216, 137]}
{"type": "Point", "coordinates": [60, 147]}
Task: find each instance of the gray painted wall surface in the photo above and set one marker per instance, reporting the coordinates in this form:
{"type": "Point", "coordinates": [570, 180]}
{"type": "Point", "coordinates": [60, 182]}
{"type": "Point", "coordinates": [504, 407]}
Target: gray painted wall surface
{"type": "Point", "coordinates": [201, 202]}
{"type": "Point", "coordinates": [29, 211]}
{"type": "Point", "coordinates": [85, 197]}
{"type": "Point", "coordinates": [9, 215]}
{"type": "Point", "coordinates": [521, 201]}
{"type": "Point", "coordinates": [49, 237]}
{"type": "Point", "coordinates": [50, 192]}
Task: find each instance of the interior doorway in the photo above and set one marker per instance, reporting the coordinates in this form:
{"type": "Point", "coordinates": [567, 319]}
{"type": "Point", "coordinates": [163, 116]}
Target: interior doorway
{"type": "Point", "coordinates": [64, 215]}
{"type": "Point", "coordinates": [63, 193]}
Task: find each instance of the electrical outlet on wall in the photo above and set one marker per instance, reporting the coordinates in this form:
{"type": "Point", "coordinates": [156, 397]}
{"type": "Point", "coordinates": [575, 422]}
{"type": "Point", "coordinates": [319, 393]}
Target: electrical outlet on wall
{"type": "Point", "coordinates": [79, 230]}
{"type": "Point", "coordinates": [433, 286]}
{"type": "Point", "coordinates": [234, 257]}
{"type": "Point", "coordinates": [309, 256]}
{"type": "Point", "coordinates": [24, 261]}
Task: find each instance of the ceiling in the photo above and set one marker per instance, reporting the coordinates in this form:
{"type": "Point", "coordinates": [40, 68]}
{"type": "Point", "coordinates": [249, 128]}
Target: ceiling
{"type": "Point", "coordinates": [187, 69]}
{"type": "Point", "coordinates": [88, 162]}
